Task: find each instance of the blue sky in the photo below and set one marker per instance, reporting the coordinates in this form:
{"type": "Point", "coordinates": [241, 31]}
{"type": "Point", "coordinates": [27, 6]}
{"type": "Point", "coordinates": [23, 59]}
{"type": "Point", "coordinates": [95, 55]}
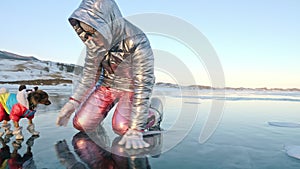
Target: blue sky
{"type": "Point", "coordinates": [257, 41]}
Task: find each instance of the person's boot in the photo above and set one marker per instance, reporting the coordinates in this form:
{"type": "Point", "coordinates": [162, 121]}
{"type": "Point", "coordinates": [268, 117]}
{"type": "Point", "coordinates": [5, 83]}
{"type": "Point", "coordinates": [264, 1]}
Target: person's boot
{"type": "Point", "coordinates": [31, 130]}
{"type": "Point", "coordinates": [18, 133]}
{"type": "Point", "coordinates": [6, 128]}
{"type": "Point", "coordinates": [156, 105]}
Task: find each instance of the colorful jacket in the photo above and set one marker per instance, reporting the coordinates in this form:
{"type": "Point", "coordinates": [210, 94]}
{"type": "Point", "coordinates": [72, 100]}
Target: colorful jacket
{"type": "Point", "coordinates": [15, 109]}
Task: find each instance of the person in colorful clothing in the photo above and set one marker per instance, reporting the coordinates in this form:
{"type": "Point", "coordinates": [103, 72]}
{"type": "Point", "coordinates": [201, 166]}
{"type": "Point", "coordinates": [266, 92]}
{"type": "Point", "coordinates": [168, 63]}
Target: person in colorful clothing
{"type": "Point", "coordinates": [119, 67]}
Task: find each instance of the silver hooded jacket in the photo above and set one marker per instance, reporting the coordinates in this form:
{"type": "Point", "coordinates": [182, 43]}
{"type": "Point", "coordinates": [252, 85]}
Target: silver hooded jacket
{"type": "Point", "coordinates": [125, 61]}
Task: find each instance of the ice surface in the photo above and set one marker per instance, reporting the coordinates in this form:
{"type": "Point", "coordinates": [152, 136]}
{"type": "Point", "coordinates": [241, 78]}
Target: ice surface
{"type": "Point", "coordinates": [243, 140]}
{"type": "Point", "coordinates": [285, 124]}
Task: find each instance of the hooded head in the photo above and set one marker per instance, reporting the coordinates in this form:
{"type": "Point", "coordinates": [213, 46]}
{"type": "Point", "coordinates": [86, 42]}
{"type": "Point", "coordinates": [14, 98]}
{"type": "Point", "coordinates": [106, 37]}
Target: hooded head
{"type": "Point", "coordinates": [102, 16]}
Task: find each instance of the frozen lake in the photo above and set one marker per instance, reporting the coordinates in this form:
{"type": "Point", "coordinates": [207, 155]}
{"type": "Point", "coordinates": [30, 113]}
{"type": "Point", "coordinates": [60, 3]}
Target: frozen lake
{"type": "Point", "coordinates": [243, 139]}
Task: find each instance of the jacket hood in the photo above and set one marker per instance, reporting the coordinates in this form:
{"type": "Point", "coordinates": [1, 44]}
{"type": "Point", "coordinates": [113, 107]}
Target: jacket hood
{"type": "Point", "coordinates": [102, 15]}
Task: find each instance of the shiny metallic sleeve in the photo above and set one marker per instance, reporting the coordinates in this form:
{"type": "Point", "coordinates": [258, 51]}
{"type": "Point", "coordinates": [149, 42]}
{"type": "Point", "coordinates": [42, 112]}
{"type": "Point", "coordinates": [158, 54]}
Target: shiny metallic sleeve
{"type": "Point", "coordinates": [143, 80]}
{"type": "Point", "coordinates": [91, 70]}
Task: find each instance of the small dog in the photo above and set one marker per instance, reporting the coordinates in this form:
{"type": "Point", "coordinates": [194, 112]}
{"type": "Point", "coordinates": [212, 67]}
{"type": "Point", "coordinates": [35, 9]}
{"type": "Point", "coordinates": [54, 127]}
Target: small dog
{"type": "Point", "coordinates": [21, 105]}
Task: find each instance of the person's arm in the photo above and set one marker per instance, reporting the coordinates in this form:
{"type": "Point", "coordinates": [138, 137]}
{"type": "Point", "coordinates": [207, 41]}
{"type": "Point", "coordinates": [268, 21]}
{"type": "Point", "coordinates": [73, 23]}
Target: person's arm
{"type": "Point", "coordinates": [96, 50]}
{"type": "Point", "coordinates": [96, 47]}
{"type": "Point", "coordinates": [143, 78]}
{"type": "Point", "coordinates": [92, 68]}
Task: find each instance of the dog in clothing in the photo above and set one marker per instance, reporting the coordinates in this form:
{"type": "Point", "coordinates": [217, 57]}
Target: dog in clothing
{"type": "Point", "coordinates": [21, 105]}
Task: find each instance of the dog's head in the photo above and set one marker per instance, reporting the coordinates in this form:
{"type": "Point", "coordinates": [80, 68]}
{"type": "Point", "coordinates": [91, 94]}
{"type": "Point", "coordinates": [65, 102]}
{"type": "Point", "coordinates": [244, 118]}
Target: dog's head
{"type": "Point", "coordinates": [38, 97]}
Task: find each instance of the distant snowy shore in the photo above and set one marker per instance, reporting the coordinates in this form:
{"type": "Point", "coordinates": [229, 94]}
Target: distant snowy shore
{"type": "Point", "coordinates": [186, 93]}
{"type": "Point", "coordinates": [16, 69]}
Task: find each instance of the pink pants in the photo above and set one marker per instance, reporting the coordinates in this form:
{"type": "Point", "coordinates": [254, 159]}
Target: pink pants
{"type": "Point", "coordinates": [95, 109]}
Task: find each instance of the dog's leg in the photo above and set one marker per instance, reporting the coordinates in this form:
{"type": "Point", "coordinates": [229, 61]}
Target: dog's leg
{"type": "Point", "coordinates": [16, 124]}
{"type": "Point", "coordinates": [5, 121]}
{"type": "Point", "coordinates": [2, 142]}
{"type": "Point", "coordinates": [30, 141]}
{"type": "Point", "coordinates": [18, 131]}
{"type": "Point", "coordinates": [30, 122]}
{"type": "Point", "coordinates": [31, 129]}
{"type": "Point", "coordinates": [17, 145]}
{"type": "Point", "coordinates": [6, 126]}
{"type": "Point", "coordinates": [2, 133]}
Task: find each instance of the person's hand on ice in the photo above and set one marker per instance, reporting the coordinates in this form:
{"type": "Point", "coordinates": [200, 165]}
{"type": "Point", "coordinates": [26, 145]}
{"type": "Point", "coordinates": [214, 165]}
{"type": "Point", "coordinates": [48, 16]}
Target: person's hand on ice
{"type": "Point", "coordinates": [133, 139]}
{"type": "Point", "coordinates": [66, 112]}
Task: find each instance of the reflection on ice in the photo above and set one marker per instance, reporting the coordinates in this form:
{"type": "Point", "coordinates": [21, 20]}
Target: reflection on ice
{"type": "Point", "coordinates": [242, 140]}
{"type": "Point", "coordinates": [13, 159]}
{"type": "Point", "coordinates": [95, 152]}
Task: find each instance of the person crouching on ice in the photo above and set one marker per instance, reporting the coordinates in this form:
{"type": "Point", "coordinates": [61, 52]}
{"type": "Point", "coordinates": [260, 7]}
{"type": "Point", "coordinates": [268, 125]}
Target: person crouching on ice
{"type": "Point", "coordinates": [119, 67]}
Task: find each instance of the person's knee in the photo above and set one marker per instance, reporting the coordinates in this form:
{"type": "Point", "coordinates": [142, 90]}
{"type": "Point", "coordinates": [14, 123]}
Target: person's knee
{"type": "Point", "coordinates": [77, 125]}
{"type": "Point", "coordinates": [80, 125]}
{"type": "Point", "coordinates": [120, 128]}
